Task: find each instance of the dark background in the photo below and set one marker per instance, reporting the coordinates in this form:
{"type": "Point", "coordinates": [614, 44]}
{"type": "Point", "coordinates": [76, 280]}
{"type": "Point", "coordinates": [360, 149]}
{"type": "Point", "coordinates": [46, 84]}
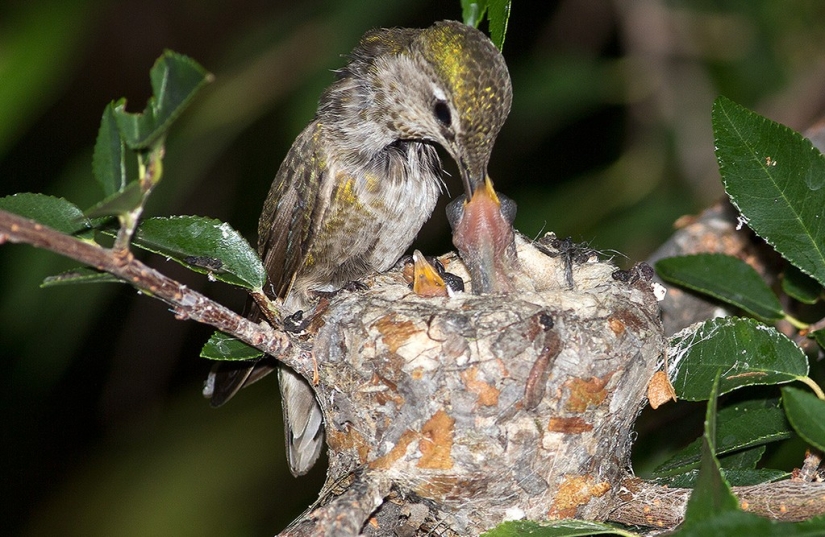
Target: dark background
{"type": "Point", "coordinates": [609, 141]}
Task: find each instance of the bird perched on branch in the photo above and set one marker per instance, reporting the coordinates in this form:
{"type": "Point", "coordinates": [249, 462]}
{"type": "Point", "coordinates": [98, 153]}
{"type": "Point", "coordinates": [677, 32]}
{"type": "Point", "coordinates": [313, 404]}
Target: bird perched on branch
{"type": "Point", "coordinates": [363, 177]}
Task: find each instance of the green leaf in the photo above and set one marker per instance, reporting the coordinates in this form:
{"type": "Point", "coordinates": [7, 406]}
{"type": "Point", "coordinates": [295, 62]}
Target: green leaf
{"type": "Point", "coordinates": [499, 16]}
{"type": "Point", "coordinates": [743, 477]}
{"type": "Point", "coordinates": [819, 337]}
{"type": "Point", "coordinates": [739, 427]}
{"type": "Point", "coordinates": [472, 11]}
{"type": "Point", "coordinates": [806, 413]}
{"type": "Point", "coordinates": [747, 351]}
{"type": "Point", "coordinates": [712, 494]}
{"type": "Point", "coordinates": [57, 213]}
{"type": "Point", "coordinates": [108, 161]}
{"type": "Point", "coordinates": [742, 524]}
{"type": "Point", "coordinates": [559, 528]}
{"type": "Point", "coordinates": [175, 81]}
{"type": "Point", "coordinates": [122, 202]}
{"type": "Point", "coordinates": [80, 275]}
{"type": "Point", "coordinates": [726, 278]}
{"type": "Point", "coordinates": [223, 347]}
{"type": "Point", "coordinates": [204, 245]}
{"type": "Point", "coordinates": [800, 286]}
{"type": "Point", "coordinates": [736, 477]}
{"type": "Point", "coordinates": [775, 177]}
{"type": "Point", "coordinates": [742, 460]}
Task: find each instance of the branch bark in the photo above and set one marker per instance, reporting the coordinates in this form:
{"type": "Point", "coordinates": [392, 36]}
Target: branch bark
{"type": "Point", "coordinates": [185, 303]}
{"type": "Point", "coordinates": [646, 504]}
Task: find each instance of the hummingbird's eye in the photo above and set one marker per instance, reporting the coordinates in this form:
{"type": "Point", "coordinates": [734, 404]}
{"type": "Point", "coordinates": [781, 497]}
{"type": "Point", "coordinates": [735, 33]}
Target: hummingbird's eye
{"type": "Point", "coordinates": [442, 113]}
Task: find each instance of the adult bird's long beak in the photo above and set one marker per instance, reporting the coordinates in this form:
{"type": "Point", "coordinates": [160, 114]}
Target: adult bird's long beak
{"type": "Point", "coordinates": [482, 223]}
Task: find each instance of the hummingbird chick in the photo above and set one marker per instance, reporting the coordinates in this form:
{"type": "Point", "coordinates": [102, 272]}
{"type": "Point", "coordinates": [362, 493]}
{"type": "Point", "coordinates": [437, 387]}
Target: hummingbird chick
{"type": "Point", "coordinates": [364, 176]}
{"type": "Point", "coordinates": [484, 237]}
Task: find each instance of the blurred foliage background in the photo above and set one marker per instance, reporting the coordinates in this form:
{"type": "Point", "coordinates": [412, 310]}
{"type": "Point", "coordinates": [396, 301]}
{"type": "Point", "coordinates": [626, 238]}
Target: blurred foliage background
{"type": "Point", "coordinates": [609, 141]}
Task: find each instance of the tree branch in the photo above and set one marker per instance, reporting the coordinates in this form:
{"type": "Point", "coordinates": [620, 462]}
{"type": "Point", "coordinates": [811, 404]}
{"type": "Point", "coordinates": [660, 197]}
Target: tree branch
{"type": "Point", "coordinates": [186, 303]}
{"type": "Point", "coordinates": [647, 504]}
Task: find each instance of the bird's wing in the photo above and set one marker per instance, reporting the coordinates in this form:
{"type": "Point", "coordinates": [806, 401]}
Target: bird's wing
{"type": "Point", "coordinates": [284, 233]}
{"type": "Point", "coordinates": [285, 229]}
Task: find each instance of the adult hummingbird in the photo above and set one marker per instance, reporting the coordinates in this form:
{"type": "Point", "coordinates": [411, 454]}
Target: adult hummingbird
{"type": "Point", "coordinates": [364, 176]}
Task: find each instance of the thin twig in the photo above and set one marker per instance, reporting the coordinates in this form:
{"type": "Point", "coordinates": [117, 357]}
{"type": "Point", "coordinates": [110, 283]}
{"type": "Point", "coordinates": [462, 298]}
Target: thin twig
{"type": "Point", "coordinates": [185, 302]}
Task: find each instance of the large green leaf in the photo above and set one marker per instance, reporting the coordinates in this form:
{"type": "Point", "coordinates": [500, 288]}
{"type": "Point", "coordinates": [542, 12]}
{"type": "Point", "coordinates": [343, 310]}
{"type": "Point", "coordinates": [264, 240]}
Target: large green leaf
{"type": "Point", "coordinates": [223, 347]}
{"type": "Point", "coordinates": [204, 245]}
{"type": "Point", "coordinates": [739, 427]}
{"type": "Point", "coordinates": [775, 177]}
{"type": "Point", "coordinates": [806, 413]}
{"type": "Point", "coordinates": [745, 350]}
{"type": "Point", "coordinates": [726, 278]}
{"type": "Point", "coordinates": [499, 16]}
{"type": "Point", "coordinates": [57, 213]}
{"type": "Point", "coordinates": [175, 80]}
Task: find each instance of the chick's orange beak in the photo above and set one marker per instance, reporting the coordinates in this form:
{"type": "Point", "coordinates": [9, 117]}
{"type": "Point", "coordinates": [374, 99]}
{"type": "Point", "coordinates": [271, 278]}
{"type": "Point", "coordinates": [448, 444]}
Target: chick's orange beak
{"type": "Point", "coordinates": [426, 280]}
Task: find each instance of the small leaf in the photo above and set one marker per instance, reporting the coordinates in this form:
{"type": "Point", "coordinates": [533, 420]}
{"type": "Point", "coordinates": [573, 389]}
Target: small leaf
{"type": "Point", "coordinates": [741, 426]}
{"type": "Point", "coordinates": [726, 278]}
{"type": "Point", "coordinates": [57, 213]}
{"type": "Point", "coordinates": [559, 528]}
{"type": "Point", "coordinates": [775, 177]}
{"type": "Point", "coordinates": [747, 351]}
{"type": "Point", "coordinates": [122, 202]}
{"type": "Point", "coordinates": [806, 413]}
{"type": "Point", "coordinates": [175, 81]}
{"type": "Point", "coordinates": [712, 495]}
{"type": "Point", "coordinates": [108, 161]}
{"type": "Point", "coordinates": [800, 286]}
{"type": "Point", "coordinates": [819, 337]}
{"type": "Point", "coordinates": [223, 347]}
{"type": "Point", "coordinates": [204, 245]}
{"type": "Point", "coordinates": [472, 11]}
{"type": "Point", "coordinates": [80, 275]}
{"type": "Point", "coordinates": [499, 15]}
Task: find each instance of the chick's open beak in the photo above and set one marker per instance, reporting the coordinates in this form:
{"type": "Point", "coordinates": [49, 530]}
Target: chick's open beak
{"type": "Point", "coordinates": [483, 234]}
{"type": "Point", "coordinates": [426, 280]}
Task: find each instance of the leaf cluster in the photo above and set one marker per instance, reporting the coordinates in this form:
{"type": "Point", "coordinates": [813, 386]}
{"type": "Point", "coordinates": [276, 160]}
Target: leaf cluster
{"type": "Point", "coordinates": [128, 164]}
